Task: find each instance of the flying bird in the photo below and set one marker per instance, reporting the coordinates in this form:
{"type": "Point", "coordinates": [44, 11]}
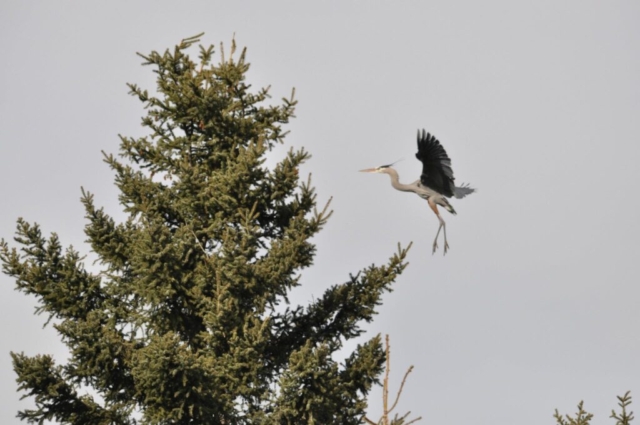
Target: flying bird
{"type": "Point", "coordinates": [436, 181]}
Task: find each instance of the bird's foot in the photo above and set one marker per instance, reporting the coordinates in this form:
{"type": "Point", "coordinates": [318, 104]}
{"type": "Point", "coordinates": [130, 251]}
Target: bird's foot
{"type": "Point", "coordinates": [446, 248]}
{"type": "Point", "coordinates": [435, 247]}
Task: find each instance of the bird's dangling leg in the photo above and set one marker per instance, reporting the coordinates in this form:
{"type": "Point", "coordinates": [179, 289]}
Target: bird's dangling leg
{"type": "Point", "coordinates": [444, 231]}
{"type": "Point", "coordinates": [443, 226]}
{"type": "Point", "coordinates": [435, 241]}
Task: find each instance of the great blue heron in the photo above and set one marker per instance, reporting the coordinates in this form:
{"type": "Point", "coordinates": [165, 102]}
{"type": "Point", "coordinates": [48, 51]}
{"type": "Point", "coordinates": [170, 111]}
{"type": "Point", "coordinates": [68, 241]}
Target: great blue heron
{"type": "Point", "coordinates": [436, 181]}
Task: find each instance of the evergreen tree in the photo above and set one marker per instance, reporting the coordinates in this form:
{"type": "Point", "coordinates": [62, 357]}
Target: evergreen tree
{"type": "Point", "coordinates": [582, 417]}
{"type": "Point", "coordinates": [187, 320]}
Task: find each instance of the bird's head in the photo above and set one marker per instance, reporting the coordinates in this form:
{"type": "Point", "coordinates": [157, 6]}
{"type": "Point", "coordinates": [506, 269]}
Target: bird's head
{"type": "Point", "coordinates": [380, 169]}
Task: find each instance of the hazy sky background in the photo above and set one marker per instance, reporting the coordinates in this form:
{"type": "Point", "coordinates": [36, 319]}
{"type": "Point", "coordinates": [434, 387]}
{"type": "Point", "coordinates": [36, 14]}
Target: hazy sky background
{"type": "Point", "coordinates": [537, 103]}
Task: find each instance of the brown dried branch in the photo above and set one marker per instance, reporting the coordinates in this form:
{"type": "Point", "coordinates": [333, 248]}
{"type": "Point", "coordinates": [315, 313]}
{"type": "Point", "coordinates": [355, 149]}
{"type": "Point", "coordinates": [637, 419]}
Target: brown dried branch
{"type": "Point", "coordinates": [384, 420]}
{"type": "Point", "coordinates": [401, 387]}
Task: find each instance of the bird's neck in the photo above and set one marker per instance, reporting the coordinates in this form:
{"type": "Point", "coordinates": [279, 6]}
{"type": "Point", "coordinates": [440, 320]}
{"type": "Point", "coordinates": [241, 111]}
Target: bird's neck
{"type": "Point", "coordinates": [395, 181]}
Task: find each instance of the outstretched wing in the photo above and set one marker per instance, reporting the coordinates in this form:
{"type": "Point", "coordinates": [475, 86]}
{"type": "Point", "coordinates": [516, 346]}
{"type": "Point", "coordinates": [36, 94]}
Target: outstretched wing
{"type": "Point", "coordinates": [436, 165]}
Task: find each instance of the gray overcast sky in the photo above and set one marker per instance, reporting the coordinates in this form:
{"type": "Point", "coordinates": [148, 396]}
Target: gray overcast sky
{"type": "Point", "coordinates": [537, 103]}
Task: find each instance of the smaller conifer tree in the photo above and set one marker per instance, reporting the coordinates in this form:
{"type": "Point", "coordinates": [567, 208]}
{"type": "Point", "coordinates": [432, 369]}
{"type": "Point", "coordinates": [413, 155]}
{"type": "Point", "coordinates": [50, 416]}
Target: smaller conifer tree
{"type": "Point", "coordinates": [582, 417]}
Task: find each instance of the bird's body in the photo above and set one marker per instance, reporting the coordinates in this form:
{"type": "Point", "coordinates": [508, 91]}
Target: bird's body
{"type": "Point", "coordinates": [436, 183]}
{"type": "Point", "coordinates": [425, 192]}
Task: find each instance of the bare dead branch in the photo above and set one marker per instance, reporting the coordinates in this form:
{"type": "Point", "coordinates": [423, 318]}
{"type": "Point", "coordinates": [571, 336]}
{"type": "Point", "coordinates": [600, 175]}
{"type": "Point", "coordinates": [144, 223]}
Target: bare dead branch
{"type": "Point", "coordinates": [386, 411]}
{"type": "Point", "coordinates": [401, 387]}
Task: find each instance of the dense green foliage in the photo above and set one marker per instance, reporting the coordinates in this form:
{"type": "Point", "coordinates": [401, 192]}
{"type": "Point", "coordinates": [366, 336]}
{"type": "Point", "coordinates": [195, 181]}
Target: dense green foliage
{"type": "Point", "coordinates": [187, 320]}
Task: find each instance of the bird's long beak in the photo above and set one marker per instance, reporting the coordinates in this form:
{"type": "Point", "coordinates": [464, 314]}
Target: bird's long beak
{"type": "Point", "coordinates": [369, 170]}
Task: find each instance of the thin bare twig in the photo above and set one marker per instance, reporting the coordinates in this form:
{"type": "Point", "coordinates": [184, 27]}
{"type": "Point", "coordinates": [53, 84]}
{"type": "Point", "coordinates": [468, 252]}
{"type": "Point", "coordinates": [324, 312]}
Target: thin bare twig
{"type": "Point", "coordinates": [401, 387]}
{"type": "Point", "coordinates": [384, 420]}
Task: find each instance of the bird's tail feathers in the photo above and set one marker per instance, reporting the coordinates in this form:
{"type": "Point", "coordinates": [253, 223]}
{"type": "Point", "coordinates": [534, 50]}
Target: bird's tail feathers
{"type": "Point", "coordinates": [448, 207]}
{"type": "Point", "coordinates": [462, 191]}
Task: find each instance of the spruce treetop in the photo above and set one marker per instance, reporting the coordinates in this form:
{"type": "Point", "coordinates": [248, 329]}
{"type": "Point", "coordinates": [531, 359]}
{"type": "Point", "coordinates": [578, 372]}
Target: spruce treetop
{"type": "Point", "coordinates": [187, 320]}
